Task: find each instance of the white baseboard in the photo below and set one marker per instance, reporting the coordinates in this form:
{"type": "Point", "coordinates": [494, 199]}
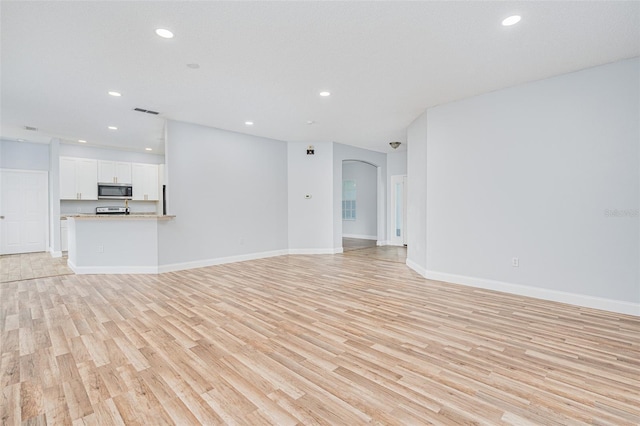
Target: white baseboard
{"type": "Point", "coordinates": [535, 292]}
{"type": "Point", "coordinates": [242, 258]}
{"type": "Point", "coordinates": [55, 253]}
{"type": "Point", "coordinates": [113, 270]}
{"type": "Point", "coordinates": [419, 269]}
{"type": "Point", "coordinates": [220, 261]}
{"type": "Point", "coordinates": [360, 237]}
{"type": "Point", "coordinates": [389, 243]}
{"type": "Point", "coordinates": [193, 264]}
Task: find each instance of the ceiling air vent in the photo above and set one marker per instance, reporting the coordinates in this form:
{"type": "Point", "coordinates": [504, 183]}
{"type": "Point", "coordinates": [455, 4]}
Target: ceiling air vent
{"type": "Point", "coordinates": [33, 129]}
{"type": "Point", "coordinates": [148, 111]}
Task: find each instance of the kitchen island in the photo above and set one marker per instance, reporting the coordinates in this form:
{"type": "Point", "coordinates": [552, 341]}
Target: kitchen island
{"type": "Point", "coordinates": [114, 244]}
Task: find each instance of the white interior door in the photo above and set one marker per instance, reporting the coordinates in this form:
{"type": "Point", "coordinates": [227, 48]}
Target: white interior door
{"type": "Point", "coordinates": [399, 210]}
{"type": "Point", "coordinates": [23, 211]}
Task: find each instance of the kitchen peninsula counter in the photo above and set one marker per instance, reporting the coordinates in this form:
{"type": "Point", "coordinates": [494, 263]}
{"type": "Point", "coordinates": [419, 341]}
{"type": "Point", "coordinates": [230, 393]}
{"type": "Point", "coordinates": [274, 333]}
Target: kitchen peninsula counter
{"type": "Point", "coordinates": [114, 244]}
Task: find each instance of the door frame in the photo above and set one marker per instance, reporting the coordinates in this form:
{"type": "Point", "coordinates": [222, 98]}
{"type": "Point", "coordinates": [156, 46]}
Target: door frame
{"type": "Point", "coordinates": [45, 175]}
{"type": "Point", "coordinates": [393, 239]}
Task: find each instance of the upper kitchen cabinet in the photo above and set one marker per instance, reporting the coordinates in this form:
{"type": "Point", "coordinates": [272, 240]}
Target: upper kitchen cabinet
{"type": "Point", "coordinates": [78, 178]}
{"type": "Point", "coordinates": [114, 172]}
{"type": "Point", "coordinates": [145, 182]}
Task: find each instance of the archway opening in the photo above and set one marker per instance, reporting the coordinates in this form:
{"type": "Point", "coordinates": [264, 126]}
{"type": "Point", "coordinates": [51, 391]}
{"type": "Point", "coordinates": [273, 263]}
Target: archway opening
{"type": "Point", "coordinates": [359, 205]}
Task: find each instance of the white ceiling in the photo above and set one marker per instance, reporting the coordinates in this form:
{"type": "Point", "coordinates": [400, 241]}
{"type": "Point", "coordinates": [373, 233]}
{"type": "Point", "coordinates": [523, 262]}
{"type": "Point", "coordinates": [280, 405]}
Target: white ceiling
{"type": "Point", "coordinates": [383, 62]}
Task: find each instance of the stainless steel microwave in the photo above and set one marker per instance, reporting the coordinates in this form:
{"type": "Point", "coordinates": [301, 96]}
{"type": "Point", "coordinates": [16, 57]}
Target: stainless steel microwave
{"type": "Point", "coordinates": [115, 191]}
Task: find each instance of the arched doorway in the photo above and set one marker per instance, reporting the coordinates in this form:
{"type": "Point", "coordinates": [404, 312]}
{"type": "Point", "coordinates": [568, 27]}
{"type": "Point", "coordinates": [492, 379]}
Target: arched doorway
{"type": "Point", "coordinates": [359, 205]}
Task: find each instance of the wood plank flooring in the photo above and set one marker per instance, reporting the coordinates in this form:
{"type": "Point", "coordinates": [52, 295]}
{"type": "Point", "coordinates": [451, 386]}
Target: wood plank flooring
{"type": "Point", "coordinates": [16, 267]}
{"type": "Point", "coordinates": [334, 339]}
{"type": "Point", "coordinates": [349, 244]}
{"type": "Point", "coordinates": [369, 250]}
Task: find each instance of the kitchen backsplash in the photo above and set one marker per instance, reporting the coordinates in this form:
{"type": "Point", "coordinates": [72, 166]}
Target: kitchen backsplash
{"type": "Point", "coordinates": [84, 206]}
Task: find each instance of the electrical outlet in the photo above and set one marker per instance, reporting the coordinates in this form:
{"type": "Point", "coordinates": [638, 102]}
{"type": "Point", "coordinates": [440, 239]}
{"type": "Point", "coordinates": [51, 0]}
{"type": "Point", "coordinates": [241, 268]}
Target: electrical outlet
{"type": "Point", "coordinates": [515, 262]}
{"type": "Point", "coordinates": [100, 249]}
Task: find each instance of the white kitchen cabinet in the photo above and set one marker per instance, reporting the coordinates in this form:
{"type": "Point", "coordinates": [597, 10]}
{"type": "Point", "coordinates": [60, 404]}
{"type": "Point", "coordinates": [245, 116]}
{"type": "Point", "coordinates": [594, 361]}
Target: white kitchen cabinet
{"type": "Point", "coordinates": [144, 179]}
{"type": "Point", "coordinates": [114, 172]}
{"type": "Point", "coordinates": [78, 178]}
{"type": "Point", "coordinates": [64, 236]}
{"type": "Point", "coordinates": [68, 188]}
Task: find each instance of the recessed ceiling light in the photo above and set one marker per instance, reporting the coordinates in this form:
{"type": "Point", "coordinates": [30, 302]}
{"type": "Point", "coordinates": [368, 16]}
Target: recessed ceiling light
{"type": "Point", "coordinates": [311, 122]}
{"type": "Point", "coordinates": [193, 66]}
{"type": "Point", "coordinates": [164, 33]}
{"type": "Point", "coordinates": [113, 128]}
{"type": "Point", "coordinates": [82, 141]}
{"type": "Point", "coordinates": [20, 140]}
{"type": "Point", "coordinates": [147, 149]}
{"type": "Point", "coordinates": [511, 20]}
{"type": "Point", "coordinates": [248, 123]}
{"type": "Point", "coordinates": [112, 93]}
{"type": "Point", "coordinates": [325, 93]}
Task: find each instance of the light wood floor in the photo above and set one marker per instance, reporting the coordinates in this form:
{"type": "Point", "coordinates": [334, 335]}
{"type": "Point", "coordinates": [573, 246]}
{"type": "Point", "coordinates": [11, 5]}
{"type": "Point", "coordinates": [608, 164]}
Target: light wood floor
{"type": "Point", "coordinates": [332, 339]}
{"type": "Point", "coordinates": [349, 244]}
{"type": "Point", "coordinates": [16, 267]}
{"type": "Point", "coordinates": [368, 249]}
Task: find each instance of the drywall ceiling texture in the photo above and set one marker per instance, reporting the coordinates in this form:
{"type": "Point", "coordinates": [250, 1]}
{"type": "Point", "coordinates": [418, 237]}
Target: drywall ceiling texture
{"type": "Point", "coordinates": [383, 62]}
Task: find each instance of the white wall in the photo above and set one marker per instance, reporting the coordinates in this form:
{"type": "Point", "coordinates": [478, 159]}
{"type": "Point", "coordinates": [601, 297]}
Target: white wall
{"type": "Point", "coordinates": [344, 153]}
{"type": "Point", "coordinates": [310, 219]}
{"type": "Point", "coordinates": [228, 192]}
{"type": "Point", "coordinates": [54, 197]}
{"type": "Point", "coordinates": [417, 194]}
{"type": "Point", "coordinates": [396, 163]}
{"type": "Point", "coordinates": [531, 172]}
{"type": "Point", "coordinates": [37, 156]}
{"type": "Point", "coordinates": [365, 177]}
{"type": "Point", "coordinates": [23, 155]}
{"type": "Point", "coordinates": [84, 151]}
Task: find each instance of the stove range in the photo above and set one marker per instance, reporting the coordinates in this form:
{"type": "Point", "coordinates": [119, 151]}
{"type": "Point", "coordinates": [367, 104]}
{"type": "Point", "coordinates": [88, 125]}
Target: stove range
{"type": "Point", "coordinates": [112, 210]}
